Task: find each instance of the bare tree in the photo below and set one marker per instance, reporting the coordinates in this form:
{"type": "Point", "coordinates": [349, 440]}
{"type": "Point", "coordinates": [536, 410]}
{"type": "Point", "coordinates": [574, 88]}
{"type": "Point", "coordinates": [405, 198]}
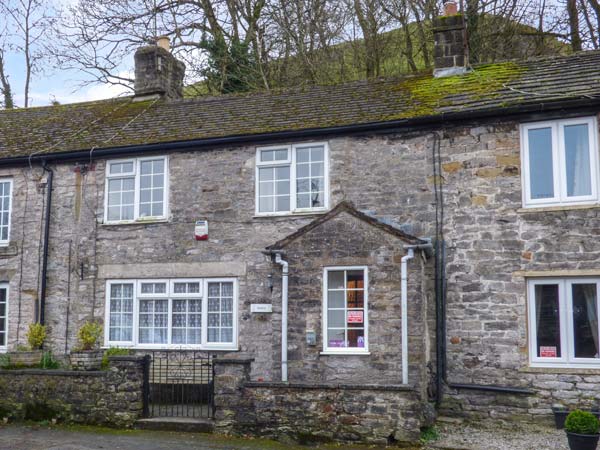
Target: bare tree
{"type": "Point", "coordinates": [29, 23]}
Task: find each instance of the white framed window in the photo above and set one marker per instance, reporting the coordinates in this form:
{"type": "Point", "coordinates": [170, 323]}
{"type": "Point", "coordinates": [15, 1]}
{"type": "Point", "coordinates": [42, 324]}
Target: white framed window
{"type": "Point", "coordinates": [560, 162]}
{"type": "Point", "coordinates": [3, 316]}
{"type": "Point", "coordinates": [292, 179]}
{"type": "Point", "coordinates": [563, 322]}
{"type": "Point", "coordinates": [136, 189]}
{"type": "Point", "coordinates": [345, 310]}
{"type": "Point", "coordinates": [170, 313]}
{"type": "Point", "coordinates": [5, 209]}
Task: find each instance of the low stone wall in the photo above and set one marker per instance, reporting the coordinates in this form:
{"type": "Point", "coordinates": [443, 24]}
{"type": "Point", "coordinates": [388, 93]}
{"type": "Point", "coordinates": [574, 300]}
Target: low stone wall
{"type": "Point", "coordinates": [315, 413]}
{"type": "Point", "coordinates": [112, 397]}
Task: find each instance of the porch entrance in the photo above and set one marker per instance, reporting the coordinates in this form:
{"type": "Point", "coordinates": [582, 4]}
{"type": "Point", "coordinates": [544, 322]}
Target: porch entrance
{"type": "Point", "coordinates": [179, 383]}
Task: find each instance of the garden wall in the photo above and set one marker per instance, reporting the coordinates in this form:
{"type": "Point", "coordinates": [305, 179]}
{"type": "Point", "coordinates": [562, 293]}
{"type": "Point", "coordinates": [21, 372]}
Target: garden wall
{"type": "Point", "coordinates": [310, 413]}
{"type": "Point", "coordinates": [111, 397]}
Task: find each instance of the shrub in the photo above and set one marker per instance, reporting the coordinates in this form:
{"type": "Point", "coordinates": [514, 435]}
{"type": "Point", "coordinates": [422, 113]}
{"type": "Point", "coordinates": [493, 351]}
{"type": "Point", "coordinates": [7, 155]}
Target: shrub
{"type": "Point", "coordinates": [113, 351]}
{"type": "Point", "coordinates": [5, 361]}
{"type": "Point", "coordinates": [48, 361]}
{"type": "Point", "coordinates": [582, 422]}
{"type": "Point", "coordinates": [36, 335]}
{"type": "Point", "coordinates": [89, 334]}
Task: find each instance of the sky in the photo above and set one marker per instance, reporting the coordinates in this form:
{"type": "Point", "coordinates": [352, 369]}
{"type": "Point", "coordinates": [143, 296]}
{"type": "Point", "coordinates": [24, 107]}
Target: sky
{"type": "Point", "coordinates": [63, 86]}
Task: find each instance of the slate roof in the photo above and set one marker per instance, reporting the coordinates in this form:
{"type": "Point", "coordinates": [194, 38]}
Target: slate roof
{"type": "Point", "coordinates": [348, 207]}
{"type": "Point", "coordinates": [539, 83]}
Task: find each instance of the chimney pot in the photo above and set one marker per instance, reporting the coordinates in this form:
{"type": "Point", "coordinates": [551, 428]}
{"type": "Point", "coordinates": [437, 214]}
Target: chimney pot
{"type": "Point", "coordinates": [164, 42]}
{"type": "Point", "coordinates": [450, 8]}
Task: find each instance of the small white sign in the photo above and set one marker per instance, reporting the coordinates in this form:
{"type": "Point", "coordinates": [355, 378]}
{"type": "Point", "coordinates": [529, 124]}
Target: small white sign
{"type": "Point", "coordinates": [261, 308]}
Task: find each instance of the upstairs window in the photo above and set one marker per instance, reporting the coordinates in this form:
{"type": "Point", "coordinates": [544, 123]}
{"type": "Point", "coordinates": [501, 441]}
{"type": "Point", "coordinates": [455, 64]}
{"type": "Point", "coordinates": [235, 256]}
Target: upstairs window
{"type": "Point", "coordinates": [560, 162]}
{"type": "Point", "coordinates": [563, 322]}
{"type": "Point", "coordinates": [5, 210]}
{"type": "Point", "coordinates": [291, 179]}
{"type": "Point", "coordinates": [136, 189]}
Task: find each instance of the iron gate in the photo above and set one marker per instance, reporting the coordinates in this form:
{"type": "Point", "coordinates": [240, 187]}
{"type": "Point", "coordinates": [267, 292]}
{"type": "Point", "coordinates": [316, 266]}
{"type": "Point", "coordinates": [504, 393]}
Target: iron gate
{"type": "Point", "coordinates": [178, 383]}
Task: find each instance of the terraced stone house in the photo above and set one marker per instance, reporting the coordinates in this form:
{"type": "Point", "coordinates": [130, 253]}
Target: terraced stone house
{"type": "Point", "coordinates": [359, 256]}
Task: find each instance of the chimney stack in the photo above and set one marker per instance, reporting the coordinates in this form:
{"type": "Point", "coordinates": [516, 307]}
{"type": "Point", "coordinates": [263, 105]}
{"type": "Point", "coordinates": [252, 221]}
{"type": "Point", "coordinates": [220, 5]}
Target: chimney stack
{"type": "Point", "coordinates": [158, 72]}
{"type": "Point", "coordinates": [450, 52]}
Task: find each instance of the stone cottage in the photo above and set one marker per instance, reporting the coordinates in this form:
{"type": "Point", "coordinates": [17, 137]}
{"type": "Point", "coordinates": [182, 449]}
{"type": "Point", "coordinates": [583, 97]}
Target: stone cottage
{"type": "Point", "coordinates": [357, 256]}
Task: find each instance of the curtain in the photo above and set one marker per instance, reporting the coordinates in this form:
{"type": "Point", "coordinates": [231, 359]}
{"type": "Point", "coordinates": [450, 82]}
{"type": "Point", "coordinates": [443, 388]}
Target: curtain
{"type": "Point", "coordinates": [589, 292]}
{"type": "Point", "coordinates": [578, 160]}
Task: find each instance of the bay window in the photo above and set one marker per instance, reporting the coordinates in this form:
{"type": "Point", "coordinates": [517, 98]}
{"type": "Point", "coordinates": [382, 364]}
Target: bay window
{"type": "Point", "coordinates": [171, 313]}
{"type": "Point", "coordinates": [136, 189]}
{"type": "Point", "coordinates": [560, 162]}
{"type": "Point", "coordinates": [291, 179]}
{"type": "Point", "coordinates": [563, 322]}
{"type": "Point", "coordinates": [345, 311]}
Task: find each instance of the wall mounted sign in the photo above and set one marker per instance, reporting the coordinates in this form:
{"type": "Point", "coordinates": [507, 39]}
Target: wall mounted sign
{"type": "Point", "coordinates": [355, 316]}
{"type": "Point", "coordinates": [261, 308]}
{"type": "Point", "coordinates": [548, 352]}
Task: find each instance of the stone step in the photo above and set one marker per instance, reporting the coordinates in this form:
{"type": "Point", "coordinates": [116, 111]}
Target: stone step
{"type": "Point", "coordinates": [182, 424]}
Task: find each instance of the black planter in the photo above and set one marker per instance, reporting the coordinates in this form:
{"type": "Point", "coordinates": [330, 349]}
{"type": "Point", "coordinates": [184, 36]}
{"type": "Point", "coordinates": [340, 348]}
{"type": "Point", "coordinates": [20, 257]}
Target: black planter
{"type": "Point", "coordinates": [560, 415]}
{"type": "Point", "coordinates": [583, 441]}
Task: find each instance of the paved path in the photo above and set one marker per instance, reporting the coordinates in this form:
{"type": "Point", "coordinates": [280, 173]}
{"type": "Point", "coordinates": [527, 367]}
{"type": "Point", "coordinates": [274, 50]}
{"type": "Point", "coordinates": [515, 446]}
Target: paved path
{"type": "Point", "coordinates": [21, 437]}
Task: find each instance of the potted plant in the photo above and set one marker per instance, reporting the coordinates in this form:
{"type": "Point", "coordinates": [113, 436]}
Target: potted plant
{"type": "Point", "coordinates": [582, 429]}
{"type": "Point", "coordinates": [560, 415]}
{"type": "Point", "coordinates": [30, 355]}
{"type": "Point", "coordinates": [88, 356]}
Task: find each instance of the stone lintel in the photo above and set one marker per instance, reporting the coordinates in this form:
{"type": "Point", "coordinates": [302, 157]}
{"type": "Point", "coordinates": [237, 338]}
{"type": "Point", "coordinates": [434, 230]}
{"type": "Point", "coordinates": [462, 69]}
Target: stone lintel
{"type": "Point", "coordinates": [172, 270]}
{"type": "Point", "coordinates": [329, 386]}
{"type": "Point", "coordinates": [556, 273]}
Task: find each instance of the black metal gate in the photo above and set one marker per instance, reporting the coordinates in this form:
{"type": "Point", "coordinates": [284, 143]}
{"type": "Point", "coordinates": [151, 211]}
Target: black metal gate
{"type": "Point", "coordinates": [179, 383]}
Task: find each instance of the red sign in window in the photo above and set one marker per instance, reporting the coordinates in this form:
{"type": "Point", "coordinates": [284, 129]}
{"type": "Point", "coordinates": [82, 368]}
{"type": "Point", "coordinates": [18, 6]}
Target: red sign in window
{"type": "Point", "coordinates": [547, 352]}
{"type": "Point", "coordinates": [355, 317]}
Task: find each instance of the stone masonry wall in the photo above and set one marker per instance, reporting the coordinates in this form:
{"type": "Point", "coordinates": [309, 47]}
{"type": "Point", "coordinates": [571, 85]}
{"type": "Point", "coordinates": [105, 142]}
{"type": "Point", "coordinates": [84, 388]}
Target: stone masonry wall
{"type": "Point", "coordinates": [493, 244]}
{"type": "Point", "coordinates": [309, 412]}
{"type": "Point", "coordinates": [112, 397]}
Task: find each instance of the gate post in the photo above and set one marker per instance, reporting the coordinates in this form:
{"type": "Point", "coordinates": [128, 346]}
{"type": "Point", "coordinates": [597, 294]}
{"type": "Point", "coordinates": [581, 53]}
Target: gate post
{"type": "Point", "coordinates": [230, 375]}
{"type": "Point", "coordinates": [146, 386]}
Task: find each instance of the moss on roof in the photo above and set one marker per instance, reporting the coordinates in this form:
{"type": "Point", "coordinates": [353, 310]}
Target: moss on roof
{"type": "Point", "coordinates": [125, 122]}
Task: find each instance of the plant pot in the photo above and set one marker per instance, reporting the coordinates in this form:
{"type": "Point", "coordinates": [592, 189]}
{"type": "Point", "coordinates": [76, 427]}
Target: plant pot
{"type": "Point", "coordinates": [583, 441]}
{"type": "Point", "coordinates": [560, 415]}
{"type": "Point", "coordinates": [25, 359]}
{"type": "Point", "coordinates": [86, 360]}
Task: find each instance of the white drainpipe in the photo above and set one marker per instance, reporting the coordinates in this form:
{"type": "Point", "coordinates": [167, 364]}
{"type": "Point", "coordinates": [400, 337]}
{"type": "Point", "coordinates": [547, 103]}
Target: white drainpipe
{"type": "Point", "coordinates": [284, 316]}
{"type": "Point", "coordinates": [404, 290]}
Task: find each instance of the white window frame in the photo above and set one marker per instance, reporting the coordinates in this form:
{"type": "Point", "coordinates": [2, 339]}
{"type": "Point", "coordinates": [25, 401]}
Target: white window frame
{"type": "Point", "coordinates": [170, 296]}
{"type": "Point", "coordinates": [345, 350]}
{"type": "Point", "coordinates": [567, 342]}
{"type": "Point", "coordinates": [4, 285]}
{"type": "Point", "coordinates": [137, 191]}
{"type": "Point", "coordinates": [5, 242]}
{"type": "Point", "coordinates": [291, 162]}
{"type": "Point", "coordinates": [558, 167]}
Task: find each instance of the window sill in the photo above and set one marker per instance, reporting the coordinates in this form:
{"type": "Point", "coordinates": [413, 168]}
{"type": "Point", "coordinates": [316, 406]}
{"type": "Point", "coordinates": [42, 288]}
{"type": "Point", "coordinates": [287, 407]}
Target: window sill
{"type": "Point", "coordinates": [348, 353]}
{"type": "Point", "coordinates": [557, 208]}
{"type": "Point", "coordinates": [556, 369]}
{"type": "Point", "coordinates": [135, 222]}
{"type": "Point", "coordinates": [291, 214]}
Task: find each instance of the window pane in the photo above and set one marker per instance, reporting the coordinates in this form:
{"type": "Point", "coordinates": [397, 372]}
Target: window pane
{"type": "Point", "coordinates": [5, 195]}
{"type": "Point", "coordinates": [303, 155]}
{"type": "Point", "coordinates": [266, 173]}
{"type": "Point", "coordinates": [548, 321]}
{"type": "Point", "coordinates": [220, 316]}
{"type": "Point", "coordinates": [585, 320]}
{"type": "Point", "coordinates": [336, 338]}
{"type": "Point", "coordinates": [577, 157]}
{"type": "Point", "coordinates": [121, 312]}
{"type": "Point", "coordinates": [541, 177]}
{"type": "Point", "coordinates": [283, 203]}
{"type": "Point", "coordinates": [356, 279]}
{"type": "Point", "coordinates": [336, 318]}
{"type": "Point", "coordinates": [335, 279]}
{"type": "Point", "coordinates": [265, 204]}
{"type": "Point", "coordinates": [356, 338]}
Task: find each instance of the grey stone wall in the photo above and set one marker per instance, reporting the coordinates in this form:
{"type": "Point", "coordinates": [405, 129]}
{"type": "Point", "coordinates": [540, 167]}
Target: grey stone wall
{"type": "Point", "coordinates": [112, 397]}
{"type": "Point", "coordinates": [312, 412]}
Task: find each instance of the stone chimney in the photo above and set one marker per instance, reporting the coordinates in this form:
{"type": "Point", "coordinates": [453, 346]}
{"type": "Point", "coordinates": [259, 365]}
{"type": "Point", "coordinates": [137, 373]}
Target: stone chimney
{"type": "Point", "coordinates": [158, 72]}
{"type": "Point", "coordinates": [450, 51]}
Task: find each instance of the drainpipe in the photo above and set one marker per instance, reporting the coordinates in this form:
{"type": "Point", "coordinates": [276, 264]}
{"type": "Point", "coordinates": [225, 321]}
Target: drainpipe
{"type": "Point", "coordinates": [284, 316]}
{"type": "Point", "coordinates": [427, 247]}
{"type": "Point", "coordinates": [42, 315]}
{"type": "Point", "coordinates": [404, 290]}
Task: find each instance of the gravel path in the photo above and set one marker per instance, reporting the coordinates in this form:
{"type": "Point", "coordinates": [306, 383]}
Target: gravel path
{"type": "Point", "coordinates": [499, 437]}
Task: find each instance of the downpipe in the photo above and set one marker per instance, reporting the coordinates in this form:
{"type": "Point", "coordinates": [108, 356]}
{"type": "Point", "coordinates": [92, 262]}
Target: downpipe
{"type": "Point", "coordinates": [284, 316]}
{"type": "Point", "coordinates": [404, 307]}
{"type": "Point", "coordinates": [44, 275]}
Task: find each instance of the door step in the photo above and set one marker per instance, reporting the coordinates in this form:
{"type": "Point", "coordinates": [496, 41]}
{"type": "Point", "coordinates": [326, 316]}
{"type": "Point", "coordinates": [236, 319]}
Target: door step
{"type": "Point", "coordinates": [182, 424]}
